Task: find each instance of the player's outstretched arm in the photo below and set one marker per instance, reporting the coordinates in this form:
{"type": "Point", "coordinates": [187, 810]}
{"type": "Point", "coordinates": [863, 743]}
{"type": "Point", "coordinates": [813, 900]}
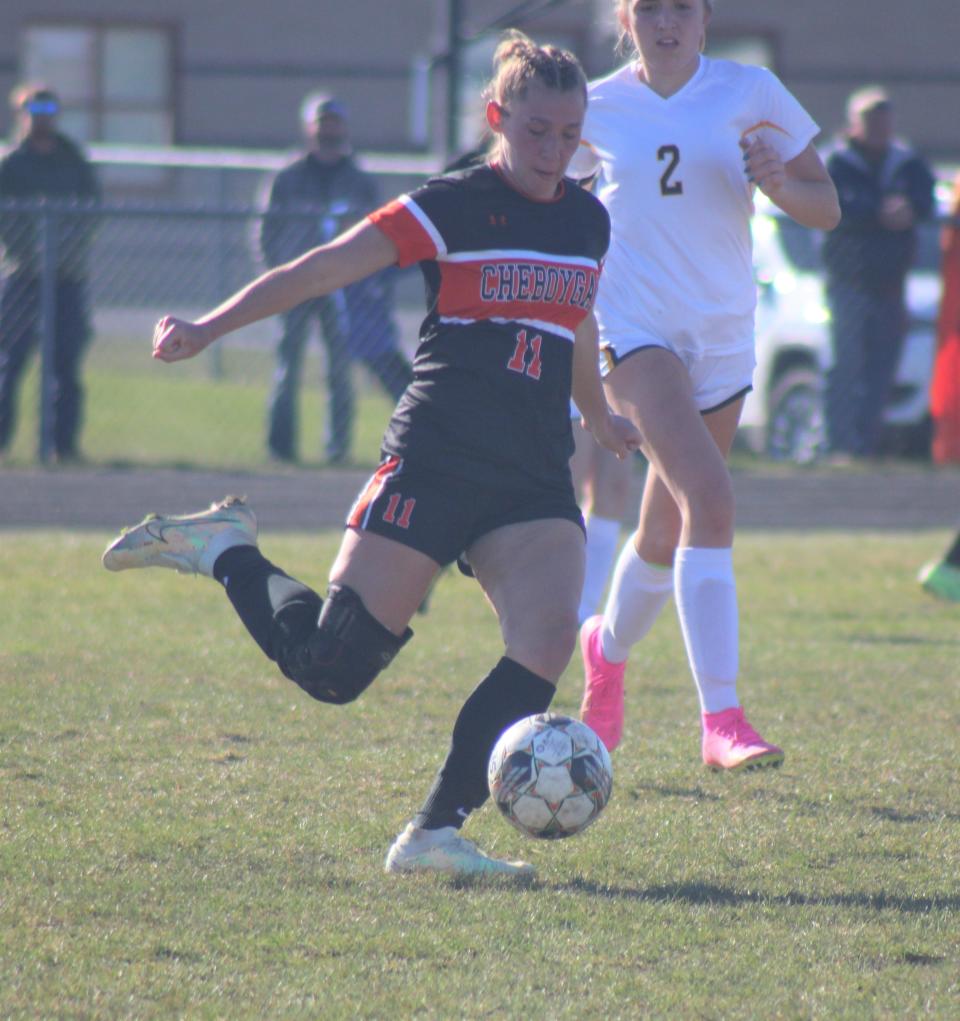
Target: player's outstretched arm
{"type": "Point", "coordinates": [358, 253]}
{"type": "Point", "coordinates": [612, 431]}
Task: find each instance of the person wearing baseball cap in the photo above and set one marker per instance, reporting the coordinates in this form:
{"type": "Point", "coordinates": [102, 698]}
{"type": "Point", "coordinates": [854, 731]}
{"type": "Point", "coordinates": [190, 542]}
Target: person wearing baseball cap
{"type": "Point", "coordinates": [885, 187]}
{"type": "Point", "coordinates": [311, 201]}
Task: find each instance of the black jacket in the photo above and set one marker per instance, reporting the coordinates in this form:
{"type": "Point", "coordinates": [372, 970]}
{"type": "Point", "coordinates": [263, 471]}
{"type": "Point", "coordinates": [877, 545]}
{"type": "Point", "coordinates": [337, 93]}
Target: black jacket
{"type": "Point", "coordinates": [312, 202]}
{"type": "Point", "coordinates": [860, 251]}
{"type": "Point", "coordinates": [324, 198]}
{"type": "Point", "coordinates": [63, 174]}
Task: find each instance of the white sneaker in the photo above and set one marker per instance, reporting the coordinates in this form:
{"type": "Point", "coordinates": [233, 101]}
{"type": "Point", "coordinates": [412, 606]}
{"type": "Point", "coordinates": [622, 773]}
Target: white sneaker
{"type": "Point", "coordinates": [444, 850]}
{"type": "Point", "coordinates": [189, 543]}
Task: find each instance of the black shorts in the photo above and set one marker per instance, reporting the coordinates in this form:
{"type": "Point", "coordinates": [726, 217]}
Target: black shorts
{"type": "Point", "coordinates": [443, 516]}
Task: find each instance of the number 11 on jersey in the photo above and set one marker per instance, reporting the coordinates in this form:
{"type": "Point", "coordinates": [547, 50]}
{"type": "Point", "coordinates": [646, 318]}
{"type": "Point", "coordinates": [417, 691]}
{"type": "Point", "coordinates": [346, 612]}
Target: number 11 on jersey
{"type": "Point", "coordinates": [518, 361]}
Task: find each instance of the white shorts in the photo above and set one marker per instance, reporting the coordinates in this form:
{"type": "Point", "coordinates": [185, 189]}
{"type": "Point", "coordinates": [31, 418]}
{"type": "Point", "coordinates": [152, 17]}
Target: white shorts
{"type": "Point", "coordinates": [717, 379]}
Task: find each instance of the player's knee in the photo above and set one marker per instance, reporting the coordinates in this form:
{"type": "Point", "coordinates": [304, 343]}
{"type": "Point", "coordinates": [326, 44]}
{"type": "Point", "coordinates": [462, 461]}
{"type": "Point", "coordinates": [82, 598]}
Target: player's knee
{"type": "Point", "coordinates": [547, 648]}
{"type": "Point", "coordinates": [344, 653]}
{"type": "Point", "coordinates": [563, 639]}
{"type": "Point", "coordinates": [658, 549]}
{"type": "Point", "coordinates": [710, 507]}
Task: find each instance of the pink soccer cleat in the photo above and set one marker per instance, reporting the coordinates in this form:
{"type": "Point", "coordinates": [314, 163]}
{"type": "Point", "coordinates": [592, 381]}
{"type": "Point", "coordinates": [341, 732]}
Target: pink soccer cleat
{"type": "Point", "coordinates": [729, 742]}
{"type": "Point", "coordinates": [602, 705]}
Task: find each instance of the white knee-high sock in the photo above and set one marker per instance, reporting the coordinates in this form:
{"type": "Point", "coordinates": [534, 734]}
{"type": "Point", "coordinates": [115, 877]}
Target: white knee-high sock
{"type": "Point", "coordinates": [602, 536]}
{"type": "Point", "coordinates": [707, 606]}
{"type": "Point", "coordinates": [637, 595]}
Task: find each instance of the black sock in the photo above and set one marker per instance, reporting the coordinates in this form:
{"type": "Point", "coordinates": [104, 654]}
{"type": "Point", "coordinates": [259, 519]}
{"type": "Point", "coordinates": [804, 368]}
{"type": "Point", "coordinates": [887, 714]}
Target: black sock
{"type": "Point", "coordinates": [267, 600]}
{"type": "Point", "coordinates": [953, 554]}
{"type": "Point", "coordinates": [507, 694]}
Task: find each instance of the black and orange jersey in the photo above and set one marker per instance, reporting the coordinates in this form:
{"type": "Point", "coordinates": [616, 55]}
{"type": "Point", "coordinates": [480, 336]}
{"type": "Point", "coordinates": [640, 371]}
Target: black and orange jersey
{"type": "Point", "coordinates": [508, 281]}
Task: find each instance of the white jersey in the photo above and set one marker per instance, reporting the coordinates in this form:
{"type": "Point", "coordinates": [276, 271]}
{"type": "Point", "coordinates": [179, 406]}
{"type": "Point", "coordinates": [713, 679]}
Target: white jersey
{"type": "Point", "coordinates": [678, 270]}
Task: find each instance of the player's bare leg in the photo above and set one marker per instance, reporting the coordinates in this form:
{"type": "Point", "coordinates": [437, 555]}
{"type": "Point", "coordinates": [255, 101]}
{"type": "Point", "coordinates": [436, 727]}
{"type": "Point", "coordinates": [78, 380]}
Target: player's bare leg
{"type": "Point", "coordinates": [687, 521]}
{"type": "Point", "coordinates": [531, 573]}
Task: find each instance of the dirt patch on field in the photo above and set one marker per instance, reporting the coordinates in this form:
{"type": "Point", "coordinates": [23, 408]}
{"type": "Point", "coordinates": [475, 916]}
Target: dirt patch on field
{"type": "Point", "coordinates": [105, 498]}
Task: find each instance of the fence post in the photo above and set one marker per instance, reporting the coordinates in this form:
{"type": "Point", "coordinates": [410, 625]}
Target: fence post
{"type": "Point", "coordinates": [48, 326]}
{"type": "Point", "coordinates": [216, 350]}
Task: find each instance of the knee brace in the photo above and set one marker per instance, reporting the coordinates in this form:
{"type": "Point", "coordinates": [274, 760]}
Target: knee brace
{"type": "Point", "coordinates": [343, 654]}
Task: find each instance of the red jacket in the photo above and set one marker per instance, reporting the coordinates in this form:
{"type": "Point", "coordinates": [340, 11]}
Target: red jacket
{"type": "Point", "coordinates": [945, 384]}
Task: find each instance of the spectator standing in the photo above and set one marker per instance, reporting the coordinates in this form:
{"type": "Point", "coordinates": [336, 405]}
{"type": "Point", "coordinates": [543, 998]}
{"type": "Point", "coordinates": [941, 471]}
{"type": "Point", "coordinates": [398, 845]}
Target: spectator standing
{"type": "Point", "coordinates": [884, 187]}
{"type": "Point", "coordinates": [311, 201]}
{"type": "Point", "coordinates": [46, 164]}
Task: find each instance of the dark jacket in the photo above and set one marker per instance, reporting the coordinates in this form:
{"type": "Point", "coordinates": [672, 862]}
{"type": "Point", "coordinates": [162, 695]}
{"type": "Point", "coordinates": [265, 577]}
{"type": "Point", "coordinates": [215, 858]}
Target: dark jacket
{"type": "Point", "coordinates": [63, 174]}
{"type": "Point", "coordinates": [324, 200]}
{"type": "Point", "coordinates": [860, 251]}
{"type": "Point", "coordinates": [328, 198]}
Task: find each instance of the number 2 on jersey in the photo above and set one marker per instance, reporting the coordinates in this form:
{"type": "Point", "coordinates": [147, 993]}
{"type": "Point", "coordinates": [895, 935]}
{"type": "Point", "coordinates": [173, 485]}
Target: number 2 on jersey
{"type": "Point", "coordinates": [671, 153]}
{"type": "Point", "coordinates": [518, 360]}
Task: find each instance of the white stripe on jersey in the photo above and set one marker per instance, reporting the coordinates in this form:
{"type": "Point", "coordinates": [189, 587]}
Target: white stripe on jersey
{"type": "Point", "coordinates": [520, 254]}
{"type": "Point", "coordinates": [407, 202]}
{"type": "Point", "coordinates": [534, 324]}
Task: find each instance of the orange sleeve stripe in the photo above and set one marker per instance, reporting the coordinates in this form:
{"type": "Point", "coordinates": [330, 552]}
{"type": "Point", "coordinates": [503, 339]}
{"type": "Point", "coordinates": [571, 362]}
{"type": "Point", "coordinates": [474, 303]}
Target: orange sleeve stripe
{"type": "Point", "coordinates": [764, 124]}
{"type": "Point", "coordinates": [405, 231]}
{"type": "Point", "coordinates": [358, 512]}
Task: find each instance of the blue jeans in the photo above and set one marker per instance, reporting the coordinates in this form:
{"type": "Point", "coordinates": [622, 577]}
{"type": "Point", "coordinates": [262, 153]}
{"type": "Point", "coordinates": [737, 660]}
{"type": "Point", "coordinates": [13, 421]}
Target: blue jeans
{"type": "Point", "coordinates": [867, 333]}
{"type": "Point", "coordinates": [375, 341]}
{"type": "Point", "coordinates": [20, 334]}
{"type": "Point", "coordinates": [282, 410]}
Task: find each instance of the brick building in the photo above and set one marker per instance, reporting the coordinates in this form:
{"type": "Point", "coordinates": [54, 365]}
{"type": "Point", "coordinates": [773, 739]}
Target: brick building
{"type": "Point", "coordinates": [233, 74]}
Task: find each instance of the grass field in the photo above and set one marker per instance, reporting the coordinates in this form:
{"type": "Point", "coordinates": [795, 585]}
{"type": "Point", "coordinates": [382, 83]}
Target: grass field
{"type": "Point", "coordinates": [184, 834]}
{"type": "Point", "coordinates": [140, 412]}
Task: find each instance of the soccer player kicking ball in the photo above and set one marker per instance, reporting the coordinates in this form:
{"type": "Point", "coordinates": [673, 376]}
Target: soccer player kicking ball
{"type": "Point", "coordinates": [475, 458]}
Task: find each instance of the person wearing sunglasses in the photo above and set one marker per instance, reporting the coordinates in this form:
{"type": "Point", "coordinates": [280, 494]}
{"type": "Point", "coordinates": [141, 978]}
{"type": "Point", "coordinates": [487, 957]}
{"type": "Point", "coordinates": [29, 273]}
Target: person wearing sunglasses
{"type": "Point", "coordinates": [44, 164]}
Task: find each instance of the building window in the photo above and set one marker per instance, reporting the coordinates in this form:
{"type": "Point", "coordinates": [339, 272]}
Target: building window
{"type": "Point", "coordinates": [115, 82]}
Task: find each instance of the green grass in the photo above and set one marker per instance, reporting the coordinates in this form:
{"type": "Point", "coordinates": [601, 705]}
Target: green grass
{"type": "Point", "coordinates": [204, 414]}
{"type": "Point", "coordinates": [138, 411]}
{"type": "Point", "coordinates": [184, 834]}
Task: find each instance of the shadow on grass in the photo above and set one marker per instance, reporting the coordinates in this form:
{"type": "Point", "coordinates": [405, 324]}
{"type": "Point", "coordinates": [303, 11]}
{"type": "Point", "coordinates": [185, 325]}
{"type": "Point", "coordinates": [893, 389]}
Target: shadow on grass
{"type": "Point", "coordinates": [700, 894]}
{"type": "Point", "coordinates": [895, 815]}
{"type": "Point", "coordinates": [668, 791]}
{"type": "Point", "coordinates": [808, 807]}
{"type": "Point", "coordinates": [865, 639]}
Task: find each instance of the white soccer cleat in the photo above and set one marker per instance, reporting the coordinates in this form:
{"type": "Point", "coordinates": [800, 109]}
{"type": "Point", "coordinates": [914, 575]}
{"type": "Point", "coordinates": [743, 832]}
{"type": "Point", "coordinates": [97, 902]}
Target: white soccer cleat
{"type": "Point", "coordinates": [444, 850]}
{"type": "Point", "coordinates": [189, 543]}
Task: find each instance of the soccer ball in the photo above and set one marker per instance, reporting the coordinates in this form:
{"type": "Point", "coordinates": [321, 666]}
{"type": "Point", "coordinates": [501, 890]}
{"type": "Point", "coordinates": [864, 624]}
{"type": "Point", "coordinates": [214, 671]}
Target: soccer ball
{"type": "Point", "coordinates": [550, 775]}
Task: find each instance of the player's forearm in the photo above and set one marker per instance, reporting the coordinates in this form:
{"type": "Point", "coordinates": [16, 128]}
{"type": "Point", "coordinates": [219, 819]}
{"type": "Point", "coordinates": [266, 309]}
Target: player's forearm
{"type": "Point", "coordinates": [811, 203]}
{"type": "Point", "coordinates": [356, 254]}
{"type": "Point", "coordinates": [588, 392]}
{"type": "Point", "coordinates": [591, 401]}
{"type": "Point", "coordinates": [276, 291]}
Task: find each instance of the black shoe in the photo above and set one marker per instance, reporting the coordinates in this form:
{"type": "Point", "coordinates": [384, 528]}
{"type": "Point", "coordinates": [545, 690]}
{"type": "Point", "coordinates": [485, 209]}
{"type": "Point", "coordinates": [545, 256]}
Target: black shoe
{"type": "Point", "coordinates": [68, 457]}
{"type": "Point", "coordinates": [282, 456]}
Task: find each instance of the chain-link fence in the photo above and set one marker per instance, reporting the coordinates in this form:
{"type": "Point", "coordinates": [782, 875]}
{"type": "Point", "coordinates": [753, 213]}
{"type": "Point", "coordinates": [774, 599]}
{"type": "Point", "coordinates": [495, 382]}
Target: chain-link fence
{"type": "Point", "coordinates": [84, 285]}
